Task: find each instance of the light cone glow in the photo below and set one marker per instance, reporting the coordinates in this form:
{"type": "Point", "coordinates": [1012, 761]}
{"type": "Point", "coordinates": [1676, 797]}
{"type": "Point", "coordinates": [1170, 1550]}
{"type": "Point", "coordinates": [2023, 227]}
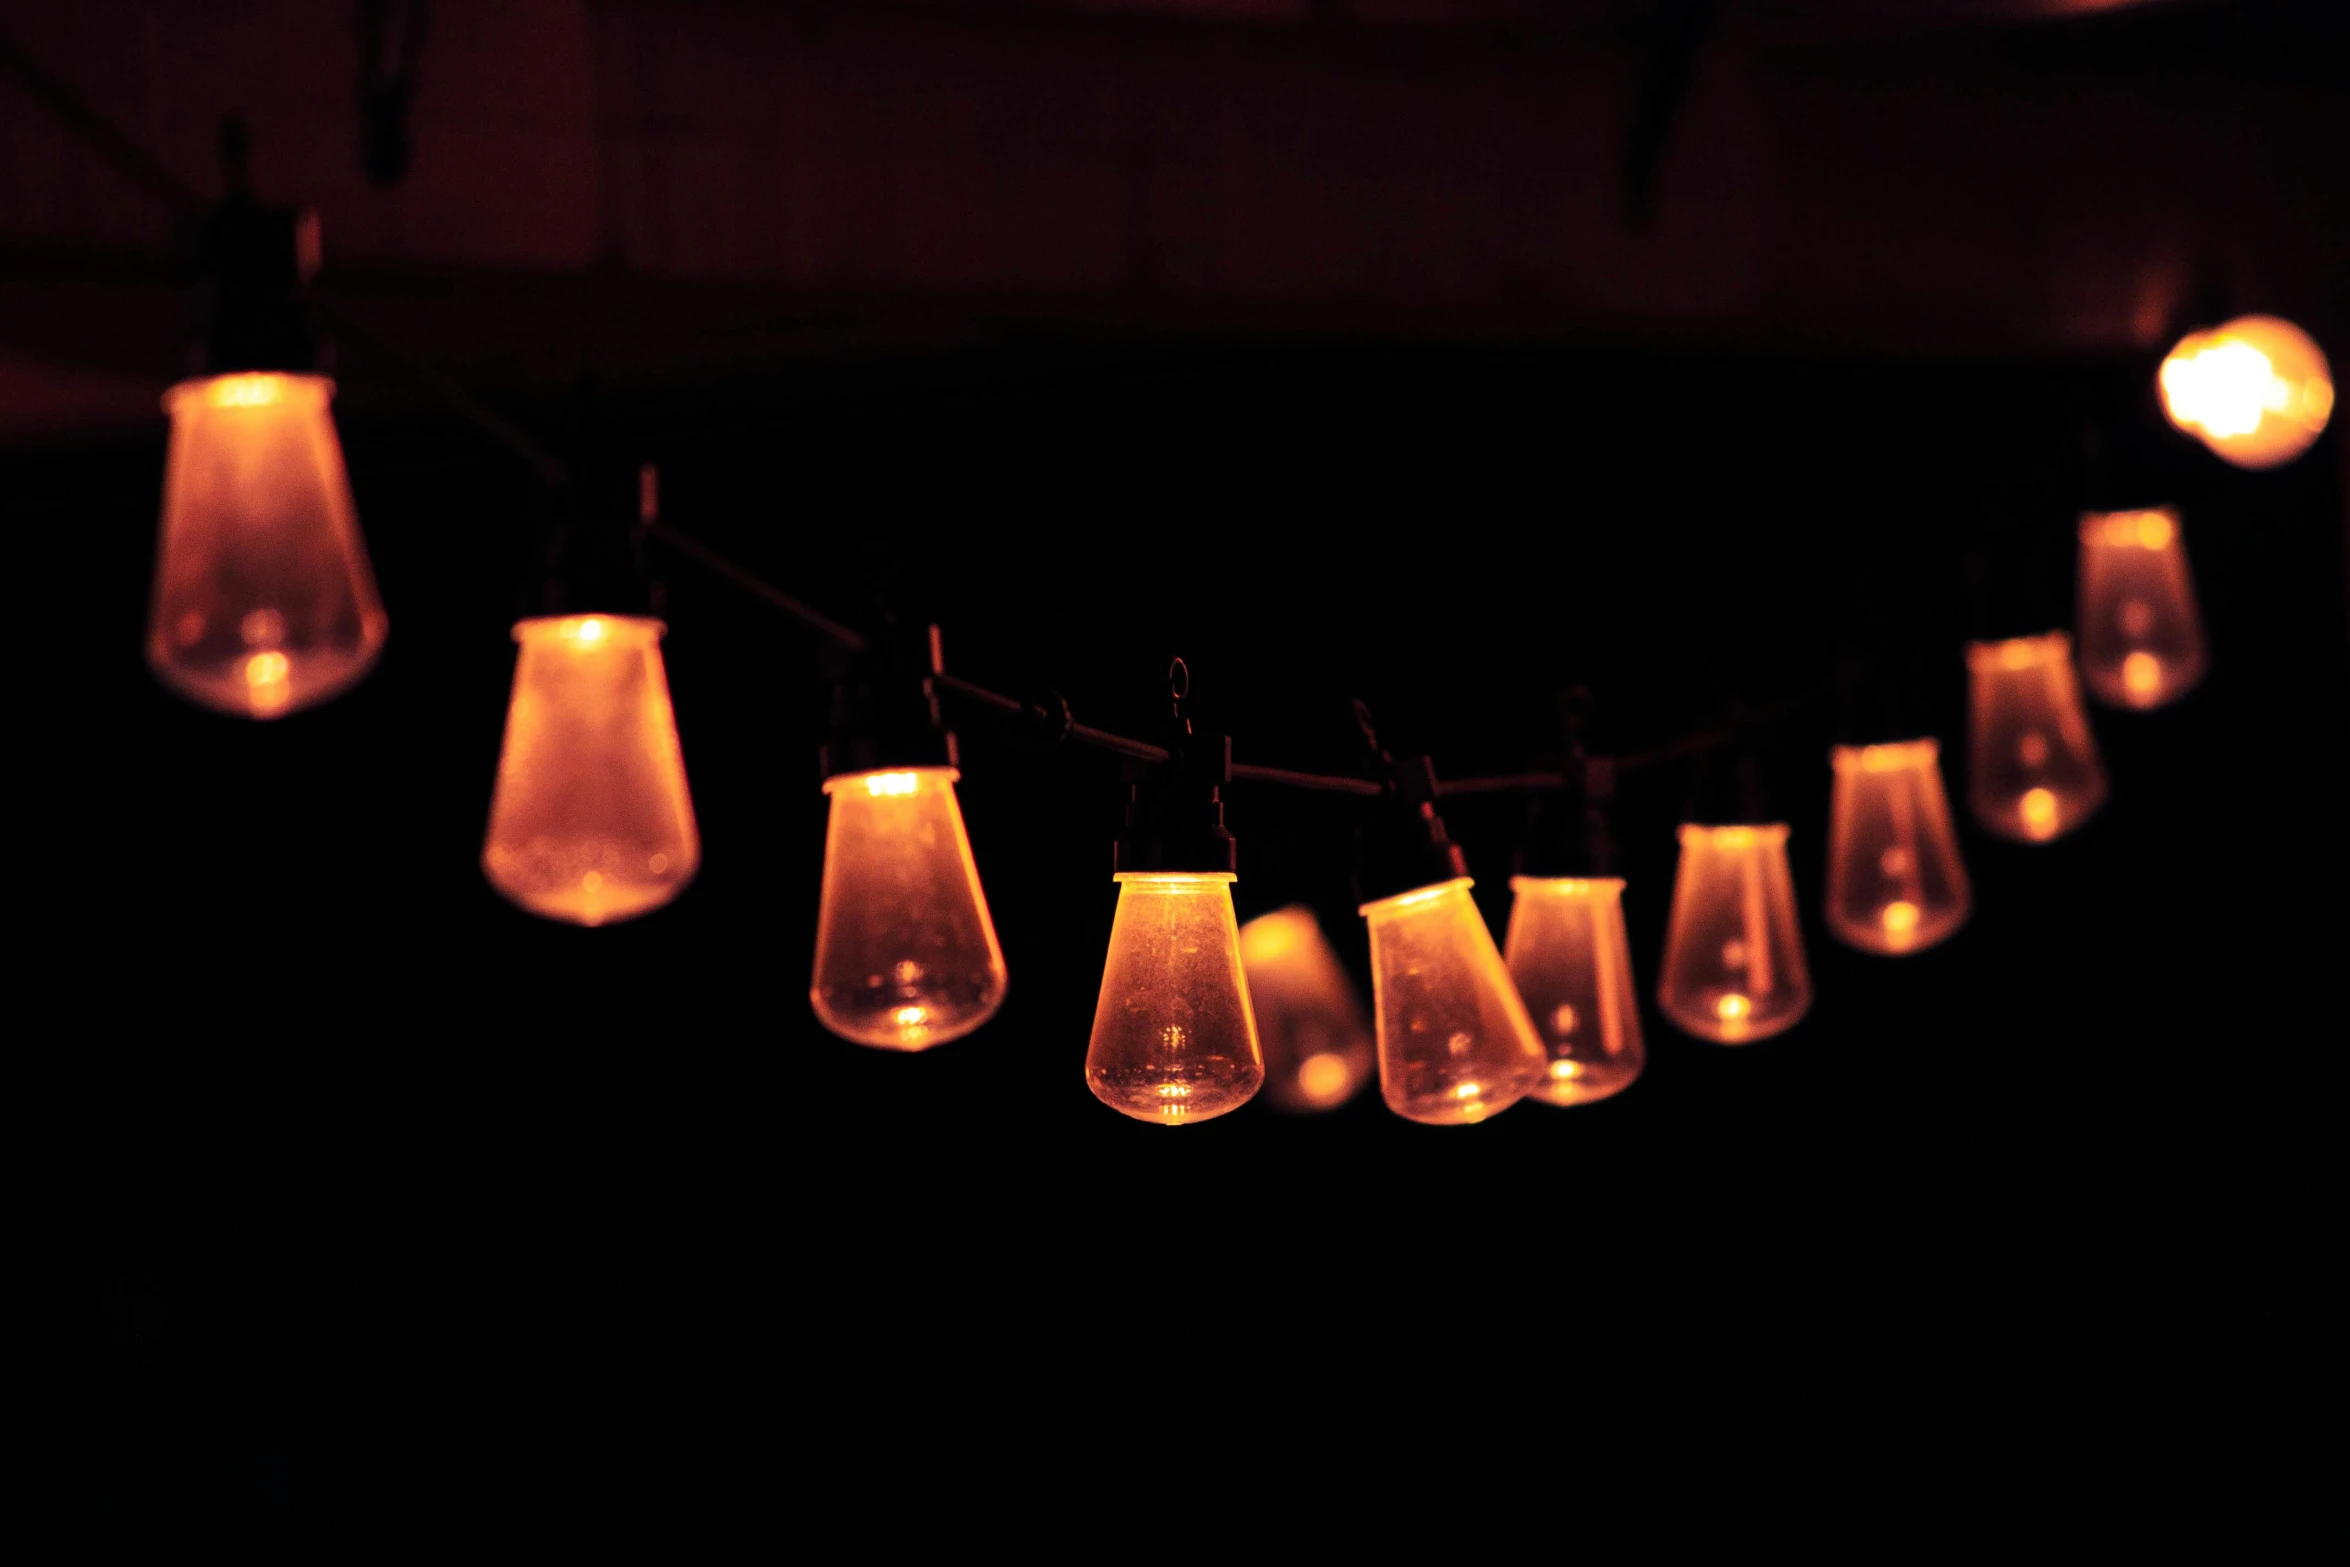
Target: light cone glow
{"type": "Point", "coordinates": [1316, 1041]}
{"type": "Point", "coordinates": [1174, 1040]}
{"type": "Point", "coordinates": [1455, 1043]}
{"type": "Point", "coordinates": [1568, 956]}
{"type": "Point", "coordinates": [2033, 772]}
{"type": "Point", "coordinates": [1734, 968]}
{"type": "Point", "coordinates": [1895, 880]}
{"type": "Point", "coordinates": [2141, 632]}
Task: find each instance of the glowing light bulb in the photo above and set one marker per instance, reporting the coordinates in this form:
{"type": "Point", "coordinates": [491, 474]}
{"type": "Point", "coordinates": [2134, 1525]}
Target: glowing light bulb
{"type": "Point", "coordinates": [1567, 954]}
{"type": "Point", "coordinates": [2141, 635]}
{"type": "Point", "coordinates": [2032, 767]}
{"type": "Point", "coordinates": [906, 953]}
{"type": "Point", "coordinates": [2257, 391]}
{"type": "Point", "coordinates": [1316, 1041]}
{"type": "Point", "coordinates": [1173, 1038]}
{"type": "Point", "coordinates": [1455, 1043]}
{"type": "Point", "coordinates": [1895, 881]}
{"type": "Point", "coordinates": [591, 822]}
{"type": "Point", "coordinates": [264, 601]}
{"type": "Point", "coordinates": [1734, 968]}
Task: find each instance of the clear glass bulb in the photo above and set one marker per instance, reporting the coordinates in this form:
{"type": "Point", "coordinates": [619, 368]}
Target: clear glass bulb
{"type": "Point", "coordinates": [1455, 1044]}
{"type": "Point", "coordinates": [264, 600]}
{"type": "Point", "coordinates": [1734, 969]}
{"type": "Point", "coordinates": [2141, 634]}
{"type": "Point", "coordinates": [1317, 1042]}
{"type": "Point", "coordinates": [906, 954]}
{"type": "Point", "coordinates": [2257, 391]}
{"type": "Point", "coordinates": [1573, 968]}
{"type": "Point", "coordinates": [591, 822]}
{"type": "Point", "coordinates": [1173, 1038]}
{"type": "Point", "coordinates": [1895, 881]}
{"type": "Point", "coordinates": [2032, 767]}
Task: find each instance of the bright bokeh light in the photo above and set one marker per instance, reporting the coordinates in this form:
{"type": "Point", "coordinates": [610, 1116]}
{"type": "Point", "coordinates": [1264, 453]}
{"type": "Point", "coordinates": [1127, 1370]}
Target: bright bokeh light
{"type": "Point", "coordinates": [1174, 1040]}
{"type": "Point", "coordinates": [1310, 1023]}
{"type": "Point", "coordinates": [1734, 968]}
{"type": "Point", "coordinates": [906, 952]}
{"type": "Point", "coordinates": [264, 600]}
{"type": "Point", "coordinates": [2257, 391]}
{"type": "Point", "coordinates": [1567, 954]}
{"type": "Point", "coordinates": [592, 822]}
{"type": "Point", "coordinates": [1455, 1043]}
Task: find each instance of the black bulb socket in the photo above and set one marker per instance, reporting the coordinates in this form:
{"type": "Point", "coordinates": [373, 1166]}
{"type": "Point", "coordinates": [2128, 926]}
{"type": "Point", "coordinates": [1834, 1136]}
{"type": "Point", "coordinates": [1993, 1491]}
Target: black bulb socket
{"type": "Point", "coordinates": [885, 710]}
{"type": "Point", "coordinates": [1404, 844]}
{"type": "Point", "coordinates": [1175, 813]}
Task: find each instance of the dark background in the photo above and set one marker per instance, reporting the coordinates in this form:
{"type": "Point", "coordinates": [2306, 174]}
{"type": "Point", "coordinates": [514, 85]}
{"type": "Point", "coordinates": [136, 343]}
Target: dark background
{"type": "Point", "coordinates": [375, 1192]}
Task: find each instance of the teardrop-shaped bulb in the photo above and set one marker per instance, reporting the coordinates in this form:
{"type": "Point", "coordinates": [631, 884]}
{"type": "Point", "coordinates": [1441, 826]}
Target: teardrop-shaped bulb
{"type": "Point", "coordinates": [906, 954]}
{"type": "Point", "coordinates": [591, 822]}
{"type": "Point", "coordinates": [2033, 771]}
{"type": "Point", "coordinates": [1895, 881]}
{"type": "Point", "coordinates": [1567, 954]}
{"type": "Point", "coordinates": [1310, 1023]}
{"type": "Point", "coordinates": [1734, 968]}
{"type": "Point", "coordinates": [2141, 633]}
{"type": "Point", "coordinates": [1455, 1044]}
{"type": "Point", "coordinates": [264, 600]}
{"type": "Point", "coordinates": [2257, 390]}
{"type": "Point", "coordinates": [1173, 1038]}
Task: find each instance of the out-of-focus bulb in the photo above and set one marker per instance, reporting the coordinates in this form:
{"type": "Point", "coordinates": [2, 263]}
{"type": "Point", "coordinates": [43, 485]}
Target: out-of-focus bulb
{"type": "Point", "coordinates": [2257, 391]}
{"type": "Point", "coordinates": [1573, 968]}
{"type": "Point", "coordinates": [1734, 969]}
{"type": "Point", "coordinates": [2032, 767]}
{"type": "Point", "coordinates": [2141, 635]}
{"type": "Point", "coordinates": [906, 955]}
{"type": "Point", "coordinates": [1173, 1038]}
{"type": "Point", "coordinates": [1895, 881]}
{"type": "Point", "coordinates": [591, 822]}
{"type": "Point", "coordinates": [264, 601]}
{"type": "Point", "coordinates": [1310, 1024]}
{"type": "Point", "coordinates": [1455, 1043]}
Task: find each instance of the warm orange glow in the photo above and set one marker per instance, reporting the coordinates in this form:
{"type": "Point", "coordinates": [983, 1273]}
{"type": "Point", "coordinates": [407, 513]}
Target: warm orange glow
{"type": "Point", "coordinates": [591, 822]}
{"type": "Point", "coordinates": [1173, 1038]}
{"type": "Point", "coordinates": [1895, 881]}
{"type": "Point", "coordinates": [2032, 767]}
{"type": "Point", "coordinates": [264, 602]}
{"type": "Point", "coordinates": [1734, 967]}
{"type": "Point", "coordinates": [1316, 1040]}
{"type": "Point", "coordinates": [906, 953]}
{"type": "Point", "coordinates": [1455, 1043]}
{"type": "Point", "coordinates": [1567, 955]}
{"type": "Point", "coordinates": [2141, 634]}
{"type": "Point", "coordinates": [2257, 390]}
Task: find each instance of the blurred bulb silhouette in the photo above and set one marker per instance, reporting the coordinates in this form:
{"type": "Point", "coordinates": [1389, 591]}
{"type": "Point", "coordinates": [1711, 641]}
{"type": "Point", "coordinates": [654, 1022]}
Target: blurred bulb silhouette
{"type": "Point", "coordinates": [2141, 635]}
{"type": "Point", "coordinates": [1734, 969]}
{"type": "Point", "coordinates": [1173, 1038]}
{"type": "Point", "coordinates": [264, 601]}
{"type": "Point", "coordinates": [1316, 1042]}
{"type": "Point", "coordinates": [1895, 881]}
{"type": "Point", "coordinates": [591, 822]}
{"type": "Point", "coordinates": [1455, 1043]}
{"type": "Point", "coordinates": [1573, 968]}
{"type": "Point", "coordinates": [906, 955]}
{"type": "Point", "coordinates": [2032, 767]}
{"type": "Point", "coordinates": [2257, 391]}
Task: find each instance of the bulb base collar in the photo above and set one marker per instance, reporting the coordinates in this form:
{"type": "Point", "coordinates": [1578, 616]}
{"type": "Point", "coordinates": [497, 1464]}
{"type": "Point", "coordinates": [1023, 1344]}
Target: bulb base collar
{"type": "Point", "coordinates": [1404, 845]}
{"type": "Point", "coordinates": [1175, 814]}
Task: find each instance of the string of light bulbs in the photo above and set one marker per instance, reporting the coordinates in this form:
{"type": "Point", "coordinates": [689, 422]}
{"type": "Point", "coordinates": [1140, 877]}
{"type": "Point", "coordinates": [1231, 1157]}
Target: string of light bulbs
{"type": "Point", "coordinates": [265, 604]}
